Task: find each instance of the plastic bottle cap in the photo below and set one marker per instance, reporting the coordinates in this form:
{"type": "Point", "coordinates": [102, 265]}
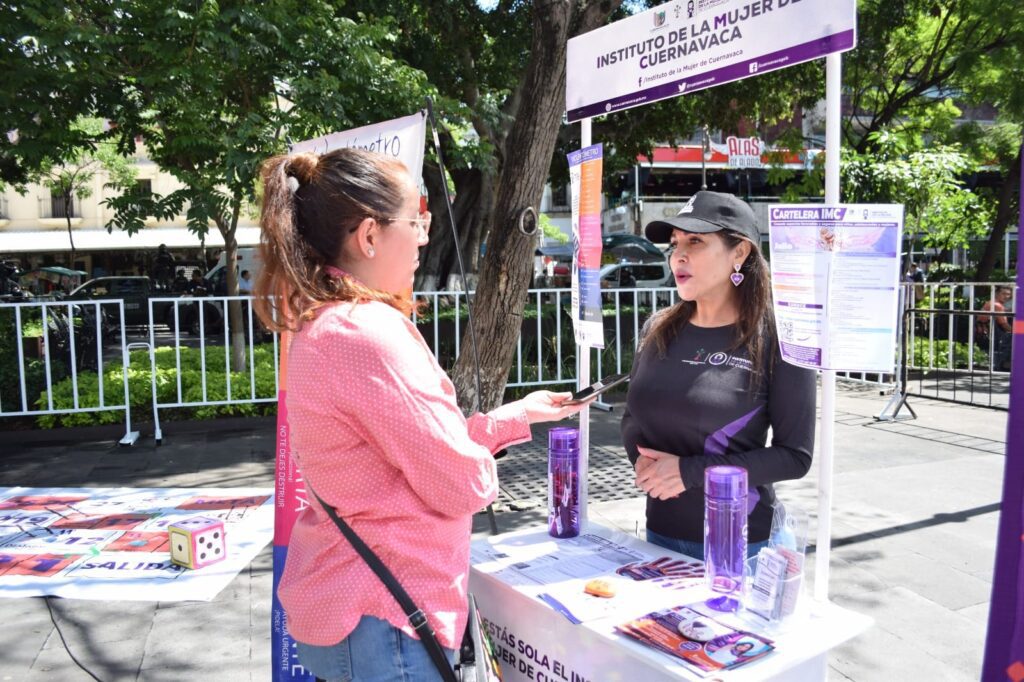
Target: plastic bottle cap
{"type": "Point", "coordinates": [725, 482]}
{"type": "Point", "coordinates": [564, 439]}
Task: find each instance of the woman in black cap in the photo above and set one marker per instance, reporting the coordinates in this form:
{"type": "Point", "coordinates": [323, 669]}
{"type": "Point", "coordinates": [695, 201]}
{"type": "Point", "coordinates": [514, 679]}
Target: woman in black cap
{"type": "Point", "coordinates": [708, 380]}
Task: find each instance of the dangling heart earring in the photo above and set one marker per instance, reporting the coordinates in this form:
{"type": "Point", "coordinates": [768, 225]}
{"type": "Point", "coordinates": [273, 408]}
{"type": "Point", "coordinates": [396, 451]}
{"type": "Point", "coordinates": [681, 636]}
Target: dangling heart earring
{"type": "Point", "coordinates": [736, 277]}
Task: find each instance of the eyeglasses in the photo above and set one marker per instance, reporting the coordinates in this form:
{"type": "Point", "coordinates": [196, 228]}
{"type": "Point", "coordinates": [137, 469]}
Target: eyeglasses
{"type": "Point", "coordinates": [422, 222]}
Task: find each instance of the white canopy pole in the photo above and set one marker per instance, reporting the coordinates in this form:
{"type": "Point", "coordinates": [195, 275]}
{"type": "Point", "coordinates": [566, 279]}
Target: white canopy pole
{"type": "Point", "coordinates": [582, 381]}
{"type": "Point", "coordinates": [833, 83]}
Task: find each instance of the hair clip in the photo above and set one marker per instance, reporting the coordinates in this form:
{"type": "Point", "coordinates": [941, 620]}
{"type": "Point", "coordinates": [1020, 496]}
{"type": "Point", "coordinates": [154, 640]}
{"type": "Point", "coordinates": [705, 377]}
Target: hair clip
{"type": "Point", "coordinates": [293, 184]}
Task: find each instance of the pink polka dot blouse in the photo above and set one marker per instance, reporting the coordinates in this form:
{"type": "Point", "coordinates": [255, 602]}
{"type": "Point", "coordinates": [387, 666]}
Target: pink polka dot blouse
{"type": "Point", "coordinates": [376, 432]}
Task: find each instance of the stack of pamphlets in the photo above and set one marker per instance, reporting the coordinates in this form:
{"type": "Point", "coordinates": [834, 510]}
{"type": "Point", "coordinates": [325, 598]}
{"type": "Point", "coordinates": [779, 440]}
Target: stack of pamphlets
{"type": "Point", "coordinates": [702, 642]}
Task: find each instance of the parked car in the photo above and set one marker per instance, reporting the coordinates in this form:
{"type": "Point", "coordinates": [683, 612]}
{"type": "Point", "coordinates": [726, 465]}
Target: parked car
{"type": "Point", "coordinates": [623, 247]}
{"type": "Point", "coordinates": [136, 291]}
{"type": "Point", "coordinates": [247, 258]}
{"type": "Point", "coordinates": [636, 276]}
{"type": "Point", "coordinates": [553, 264]}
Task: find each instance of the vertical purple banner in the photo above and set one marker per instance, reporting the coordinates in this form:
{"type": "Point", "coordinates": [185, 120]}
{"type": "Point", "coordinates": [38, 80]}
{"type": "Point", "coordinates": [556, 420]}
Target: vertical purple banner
{"type": "Point", "coordinates": [1004, 647]}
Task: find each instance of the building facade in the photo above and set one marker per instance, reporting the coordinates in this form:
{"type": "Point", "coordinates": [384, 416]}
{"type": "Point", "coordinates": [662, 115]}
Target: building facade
{"type": "Point", "coordinates": [34, 229]}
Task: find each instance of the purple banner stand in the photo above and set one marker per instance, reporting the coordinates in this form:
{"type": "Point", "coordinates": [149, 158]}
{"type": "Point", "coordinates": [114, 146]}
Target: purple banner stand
{"type": "Point", "coordinates": [1004, 646]}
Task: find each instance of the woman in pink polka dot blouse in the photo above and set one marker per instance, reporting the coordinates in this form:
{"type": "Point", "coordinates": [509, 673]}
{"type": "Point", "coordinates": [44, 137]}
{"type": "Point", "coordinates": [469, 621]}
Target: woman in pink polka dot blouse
{"type": "Point", "coordinates": [375, 428]}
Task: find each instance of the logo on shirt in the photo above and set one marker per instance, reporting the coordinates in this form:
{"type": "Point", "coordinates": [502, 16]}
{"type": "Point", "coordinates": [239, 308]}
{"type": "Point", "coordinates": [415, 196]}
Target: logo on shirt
{"type": "Point", "coordinates": [719, 359]}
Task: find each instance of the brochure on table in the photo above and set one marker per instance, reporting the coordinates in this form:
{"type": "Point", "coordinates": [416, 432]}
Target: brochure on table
{"type": "Point", "coordinates": [532, 593]}
{"type": "Point", "coordinates": [835, 284]}
{"type": "Point", "coordinates": [556, 572]}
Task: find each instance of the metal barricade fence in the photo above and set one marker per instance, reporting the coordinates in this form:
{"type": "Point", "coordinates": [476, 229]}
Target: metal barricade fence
{"type": "Point", "coordinates": [941, 319]}
{"type": "Point", "coordinates": [946, 314]}
{"type": "Point", "coordinates": [633, 307]}
{"type": "Point", "coordinates": [197, 361]}
{"type": "Point", "coordinates": [546, 352]}
{"type": "Point", "coordinates": [201, 361]}
{"type": "Point", "coordinates": [56, 356]}
{"type": "Point", "coordinates": [956, 348]}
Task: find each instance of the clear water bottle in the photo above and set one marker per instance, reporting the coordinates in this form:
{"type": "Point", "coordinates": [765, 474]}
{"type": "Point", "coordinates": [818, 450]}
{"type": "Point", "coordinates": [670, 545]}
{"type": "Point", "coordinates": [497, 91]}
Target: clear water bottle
{"type": "Point", "coordinates": [725, 534]}
{"type": "Point", "coordinates": [564, 482]}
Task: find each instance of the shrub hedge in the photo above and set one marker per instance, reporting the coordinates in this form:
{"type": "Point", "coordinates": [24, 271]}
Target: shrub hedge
{"type": "Point", "coordinates": [140, 390]}
{"type": "Point", "coordinates": [936, 354]}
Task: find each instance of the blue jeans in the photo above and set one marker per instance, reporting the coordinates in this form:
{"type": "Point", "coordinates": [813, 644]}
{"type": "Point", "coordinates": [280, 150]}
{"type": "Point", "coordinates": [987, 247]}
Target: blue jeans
{"type": "Point", "coordinates": [694, 549]}
{"type": "Point", "coordinates": [375, 651]}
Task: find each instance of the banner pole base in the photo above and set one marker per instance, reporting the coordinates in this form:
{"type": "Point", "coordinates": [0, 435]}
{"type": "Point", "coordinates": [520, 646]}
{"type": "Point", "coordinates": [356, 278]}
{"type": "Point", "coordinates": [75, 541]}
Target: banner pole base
{"type": "Point", "coordinates": [896, 402]}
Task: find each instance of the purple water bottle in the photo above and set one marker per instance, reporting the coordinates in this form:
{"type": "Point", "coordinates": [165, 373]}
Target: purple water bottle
{"type": "Point", "coordinates": [725, 533]}
{"type": "Point", "coordinates": [563, 482]}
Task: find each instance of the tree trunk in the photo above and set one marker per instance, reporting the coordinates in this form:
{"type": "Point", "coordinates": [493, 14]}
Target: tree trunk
{"type": "Point", "coordinates": [1005, 213]}
{"type": "Point", "coordinates": [234, 307]}
{"type": "Point", "coordinates": [483, 209]}
{"type": "Point", "coordinates": [506, 270]}
{"type": "Point", "coordinates": [71, 237]}
{"type": "Point", "coordinates": [439, 261]}
{"type": "Point", "coordinates": [438, 252]}
{"type": "Point", "coordinates": [477, 189]}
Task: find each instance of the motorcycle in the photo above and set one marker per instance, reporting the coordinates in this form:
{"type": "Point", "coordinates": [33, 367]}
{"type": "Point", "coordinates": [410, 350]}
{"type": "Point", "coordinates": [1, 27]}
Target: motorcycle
{"type": "Point", "coordinates": [193, 308]}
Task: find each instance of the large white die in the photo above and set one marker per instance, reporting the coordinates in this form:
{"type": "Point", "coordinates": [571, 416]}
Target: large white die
{"type": "Point", "coordinates": [197, 542]}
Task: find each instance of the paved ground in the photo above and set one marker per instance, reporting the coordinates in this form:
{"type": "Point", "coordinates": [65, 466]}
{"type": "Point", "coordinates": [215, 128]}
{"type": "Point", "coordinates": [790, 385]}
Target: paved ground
{"type": "Point", "coordinates": [916, 511]}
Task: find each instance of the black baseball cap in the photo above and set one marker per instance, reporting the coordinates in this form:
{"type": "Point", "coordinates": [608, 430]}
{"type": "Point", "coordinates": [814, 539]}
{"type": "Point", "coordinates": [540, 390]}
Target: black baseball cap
{"type": "Point", "coordinates": [708, 212]}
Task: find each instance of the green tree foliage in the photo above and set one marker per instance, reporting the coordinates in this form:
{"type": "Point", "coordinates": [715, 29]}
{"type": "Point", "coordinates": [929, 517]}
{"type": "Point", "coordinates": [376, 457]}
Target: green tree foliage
{"type": "Point", "coordinates": [43, 93]}
{"type": "Point", "coordinates": [550, 231]}
{"type": "Point", "coordinates": [211, 88]}
{"type": "Point", "coordinates": [914, 54]}
{"type": "Point", "coordinates": [928, 180]}
{"type": "Point", "coordinates": [911, 54]}
{"type": "Point", "coordinates": [916, 65]}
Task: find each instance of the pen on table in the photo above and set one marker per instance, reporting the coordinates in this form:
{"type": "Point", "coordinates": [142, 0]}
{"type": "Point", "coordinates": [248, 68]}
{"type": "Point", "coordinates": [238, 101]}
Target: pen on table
{"type": "Point", "coordinates": [559, 606]}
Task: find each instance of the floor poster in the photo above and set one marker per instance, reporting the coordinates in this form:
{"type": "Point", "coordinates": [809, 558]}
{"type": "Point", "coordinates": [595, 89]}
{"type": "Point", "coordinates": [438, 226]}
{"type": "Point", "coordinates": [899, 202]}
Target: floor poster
{"type": "Point", "coordinates": [112, 543]}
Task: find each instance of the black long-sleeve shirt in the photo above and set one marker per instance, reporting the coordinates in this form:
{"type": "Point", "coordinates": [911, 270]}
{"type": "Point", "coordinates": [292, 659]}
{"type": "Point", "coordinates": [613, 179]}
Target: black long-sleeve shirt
{"type": "Point", "coordinates": [697, 403]}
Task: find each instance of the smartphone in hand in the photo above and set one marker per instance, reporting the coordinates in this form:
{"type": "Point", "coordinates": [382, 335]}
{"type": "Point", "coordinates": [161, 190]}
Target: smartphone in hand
{"type": "Point", "coordinates": [597, 388]}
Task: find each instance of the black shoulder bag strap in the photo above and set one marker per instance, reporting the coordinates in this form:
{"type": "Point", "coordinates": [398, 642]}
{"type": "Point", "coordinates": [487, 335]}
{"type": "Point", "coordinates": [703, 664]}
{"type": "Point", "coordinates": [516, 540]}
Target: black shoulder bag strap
{"type": "Point", "coordinates": [416, 617]}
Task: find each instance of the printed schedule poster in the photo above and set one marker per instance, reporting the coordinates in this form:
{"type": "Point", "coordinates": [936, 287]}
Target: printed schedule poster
{"type": "Point", "coordinates": [585, 183]}
{"type": "Point", "coordinates": [835, 284]}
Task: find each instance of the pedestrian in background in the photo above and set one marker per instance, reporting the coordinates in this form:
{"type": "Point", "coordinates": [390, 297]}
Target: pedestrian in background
{"type": "Point", "coordinates": [163, 267]}
{"type": "Point", "coordinates": [245, 283]}
{"type": "Point", "coordinates": [993, 332]}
